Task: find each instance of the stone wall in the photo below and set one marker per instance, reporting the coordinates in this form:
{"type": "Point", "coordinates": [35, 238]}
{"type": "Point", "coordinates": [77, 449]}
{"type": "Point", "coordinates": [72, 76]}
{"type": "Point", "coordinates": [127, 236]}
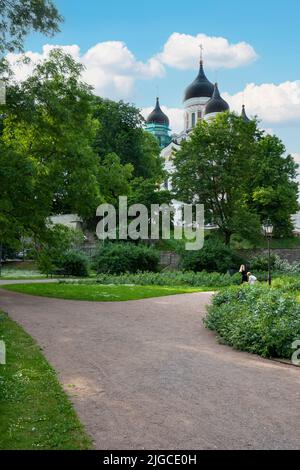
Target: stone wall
{"type": "Point", "coordinates": [169, 259]}
{"type": "Point", "coordinates": [289, 254]}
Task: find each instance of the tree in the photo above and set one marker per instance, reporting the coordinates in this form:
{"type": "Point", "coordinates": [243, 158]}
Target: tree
{"type": "Point", "coordinates": [273, 190]}
{"type": "Point", "coordinates": [120, 131]}
{"type": "Point", "coordinates": [19, 17]}
{"type": "Point", "coordinates": [20, 211]}
{"type": "Point", "coordinates": [212, 168]}
{"type": "Point", "coordinates": [48, 124]}
{"type": "Point", "coordinates": [238, 173]}
{"type": "Point", "coordinates": [114, 179]}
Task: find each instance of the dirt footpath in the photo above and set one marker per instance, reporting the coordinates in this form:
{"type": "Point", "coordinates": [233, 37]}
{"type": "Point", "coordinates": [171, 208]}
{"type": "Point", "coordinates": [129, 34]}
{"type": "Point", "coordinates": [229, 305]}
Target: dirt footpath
{"type": "Point", "coordinates": [147, 374]}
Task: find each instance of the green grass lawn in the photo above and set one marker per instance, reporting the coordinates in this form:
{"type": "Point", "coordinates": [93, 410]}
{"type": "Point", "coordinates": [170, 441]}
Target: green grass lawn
{"type": "Point", "coordinates": [20, 270]}
{"type": "Point", "coordinates": [35, 413]}
{"type": "Point", "coordinates": [99, 292]}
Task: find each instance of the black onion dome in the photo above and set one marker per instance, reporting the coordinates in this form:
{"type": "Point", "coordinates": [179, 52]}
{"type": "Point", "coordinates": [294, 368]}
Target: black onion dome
{"type": "Point", "coordinates": [157, 116]}
{"type": "Point", "coordinates": [216, 104]}
{"type": "Point", "coordinates": [200, 88]}
{"type": "Point", "coordinates": [244, 115]}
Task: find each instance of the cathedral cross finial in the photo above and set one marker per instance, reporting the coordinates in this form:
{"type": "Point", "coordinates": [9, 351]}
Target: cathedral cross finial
{"type": "Point", "coordinates": [201, 53]}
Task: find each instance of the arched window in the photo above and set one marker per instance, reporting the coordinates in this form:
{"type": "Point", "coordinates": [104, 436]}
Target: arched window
{"type": "Point", "coordinates": [193, 119]}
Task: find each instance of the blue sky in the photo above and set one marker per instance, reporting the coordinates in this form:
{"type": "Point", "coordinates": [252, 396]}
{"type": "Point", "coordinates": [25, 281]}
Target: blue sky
{"type": "Point", "coordinates": [270, 28]}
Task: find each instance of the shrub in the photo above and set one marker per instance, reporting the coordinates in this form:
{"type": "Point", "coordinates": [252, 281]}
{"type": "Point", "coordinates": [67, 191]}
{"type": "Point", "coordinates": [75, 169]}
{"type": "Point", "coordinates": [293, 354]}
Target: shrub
{"type": "Point", "coordinates": [58, 241]}
{"type": "Point", "coordinates": [283, 266]}
{"type": "Point", "coordinates": [261, 263]}
{"type": "Point", "coordinates": [169, 278]}
{"type": "Point", "coordinates": [213, 257]}
{"type": "Point", "coordinates": [287, 283]}
{"type": "Point", "coordinates": [256, 319]}
{"type": "Point", "coordinates": [74, 263]}
{"type": "Point", "coordinates": [117, 258]}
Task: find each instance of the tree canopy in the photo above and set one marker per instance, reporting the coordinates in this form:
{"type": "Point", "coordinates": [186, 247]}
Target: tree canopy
{"type": "Point", "coordinates": [20, 17]}
{"type": "Point", "coordinates": [121, 132]}
{"type": "Point", "coordinates": [48, 126]}
{"type": "Point", "coordinates": [239, 173]}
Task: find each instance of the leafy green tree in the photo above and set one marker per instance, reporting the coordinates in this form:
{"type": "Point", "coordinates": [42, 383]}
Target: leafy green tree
{"type": "Point", "coordinates": [273, 188]}
{"type": "Point", "coordinates": [213, 168]}
{"type": "Point", "coordinates": [58, 240]}
{"type": "Point", "coordinates": [48, 120]}
{"type": "Point", "coordinates": [121, 132]}
{"type": "Point", "coordinates": [114, 178]}
{"type": "Point", "coordinates": [20, 17]}
{"type": "Point", "coordinates": [20, 211]}
{"type": "Point", "coordinates": [240, 174]}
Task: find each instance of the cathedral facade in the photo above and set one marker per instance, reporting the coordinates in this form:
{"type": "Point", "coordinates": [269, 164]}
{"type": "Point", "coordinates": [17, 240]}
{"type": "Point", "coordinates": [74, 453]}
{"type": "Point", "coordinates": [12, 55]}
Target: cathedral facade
{"type": "Point", "coordinates": [202, 101]}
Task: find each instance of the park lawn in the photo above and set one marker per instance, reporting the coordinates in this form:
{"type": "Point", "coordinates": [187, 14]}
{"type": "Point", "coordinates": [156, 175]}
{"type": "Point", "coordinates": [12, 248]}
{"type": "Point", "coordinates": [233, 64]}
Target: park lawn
{"type": "Point", "coordinates": [100, 292]}
{"type": "Point", "coordinates": [20, 270]}
{"type": "Point", "coordinates": [35, 413]}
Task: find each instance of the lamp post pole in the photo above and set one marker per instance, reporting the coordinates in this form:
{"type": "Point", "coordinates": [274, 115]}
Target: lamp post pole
{"type": "Point", "coordinates": [268, 230]}
{"type": "Point", "coordinates": [269, 260]}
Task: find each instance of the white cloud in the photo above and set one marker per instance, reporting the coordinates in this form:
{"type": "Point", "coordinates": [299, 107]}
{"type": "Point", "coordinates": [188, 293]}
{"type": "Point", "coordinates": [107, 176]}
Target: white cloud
{"type": "Point", "coordinates": [110, 67]}
{"type": "Point", "coordinates": [272, 103]}
{"type": "Point", "coordinates": [296, 157]}
{"type": "Point", "coordinates": [175, 116]}
{"type": "Point", "coordinates": [22, 69]}
{"type": "Point", "coordinates": [182, 50]}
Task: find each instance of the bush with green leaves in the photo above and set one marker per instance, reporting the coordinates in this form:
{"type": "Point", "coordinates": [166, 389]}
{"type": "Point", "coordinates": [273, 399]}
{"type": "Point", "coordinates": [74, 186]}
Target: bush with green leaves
{"type": "Point", "coordinates": [169, 278]}
{"type": "Point", "coordinates": [283, 266]}
{"type": "Point", "coordinates": [213, 257]}
{"type": "Point", "coordinates": [118, 258]}
{"type": "Point", "coordinates": [58, 241]}
{"type": "Point", "coordinates": [261, 263]}
{"type": "Point", "coordinates": [74, 263]}
{"type": "Point", "coordinates": [287, 282]}
{"type": "Point", "coordinates": [256, 319]}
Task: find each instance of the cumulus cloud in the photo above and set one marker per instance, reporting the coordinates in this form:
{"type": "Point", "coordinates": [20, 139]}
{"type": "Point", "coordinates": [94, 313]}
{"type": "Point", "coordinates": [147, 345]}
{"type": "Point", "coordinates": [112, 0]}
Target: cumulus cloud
{"type": "Point", "coordinates": [296, 157]}
{"type": "Point", "coordinates": [22, 67]}
{"type": "Point", "coordinates": [272, 103]}
{"type": "Point", "coordinates": [182, 50]}
{"type": "Point", "coordinates": [110, 67]}
{"type": "Point", "coordinates": [175, 116]}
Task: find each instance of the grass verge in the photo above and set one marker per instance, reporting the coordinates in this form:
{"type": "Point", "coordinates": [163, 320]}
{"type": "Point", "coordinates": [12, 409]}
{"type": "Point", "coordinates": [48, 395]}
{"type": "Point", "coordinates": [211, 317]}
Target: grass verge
{"type": "Point", "coordinates": [99, 292]}
{"type": "Point", "coordinates": [35, 412]}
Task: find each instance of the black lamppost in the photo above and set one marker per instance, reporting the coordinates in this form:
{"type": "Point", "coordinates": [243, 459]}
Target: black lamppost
{"type": "Point", "coordinates": [268, 231]}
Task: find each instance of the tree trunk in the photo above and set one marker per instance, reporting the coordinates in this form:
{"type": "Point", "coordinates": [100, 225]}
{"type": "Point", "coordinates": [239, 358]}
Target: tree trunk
{"type": "Point", "coordinates": [227, 238]}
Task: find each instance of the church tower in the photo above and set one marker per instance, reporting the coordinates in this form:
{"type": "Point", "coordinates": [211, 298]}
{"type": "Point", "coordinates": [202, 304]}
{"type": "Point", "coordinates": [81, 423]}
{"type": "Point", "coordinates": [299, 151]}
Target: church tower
{"type": "Point", "coordinates": [215, 105]}
{"type": "Point", "coordinates": [158, 124]}
{"type": "Point", "coordinates": [196, 96]}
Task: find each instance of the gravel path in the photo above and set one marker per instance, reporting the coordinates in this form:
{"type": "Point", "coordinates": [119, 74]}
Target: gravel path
{"type": "Point", "coordinates": [147, 374]}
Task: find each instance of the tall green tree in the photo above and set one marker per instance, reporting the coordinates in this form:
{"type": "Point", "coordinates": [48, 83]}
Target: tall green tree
{"type": "Point", "coordinates": [121, 132]}
{"type": "Point", "coordinates": [227, 165]}
{"type": "Point", "coordinates": [48, 122]}
{"type": "Point", "coordinates": [20, 17]}
{"type": "Point", "coordinates": [114, 179]}
{"type": "Point", "coordinates": [273, 189]}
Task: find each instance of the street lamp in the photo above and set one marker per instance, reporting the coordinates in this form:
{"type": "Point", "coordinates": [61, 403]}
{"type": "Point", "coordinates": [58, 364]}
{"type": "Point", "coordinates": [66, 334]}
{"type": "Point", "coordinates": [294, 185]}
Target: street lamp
{"type": "Point", "coordinates": [268, 231]}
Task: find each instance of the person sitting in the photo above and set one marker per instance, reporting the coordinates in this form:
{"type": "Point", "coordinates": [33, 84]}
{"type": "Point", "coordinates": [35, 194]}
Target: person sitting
{"type": "Point", "coordinates": [251, 279]}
